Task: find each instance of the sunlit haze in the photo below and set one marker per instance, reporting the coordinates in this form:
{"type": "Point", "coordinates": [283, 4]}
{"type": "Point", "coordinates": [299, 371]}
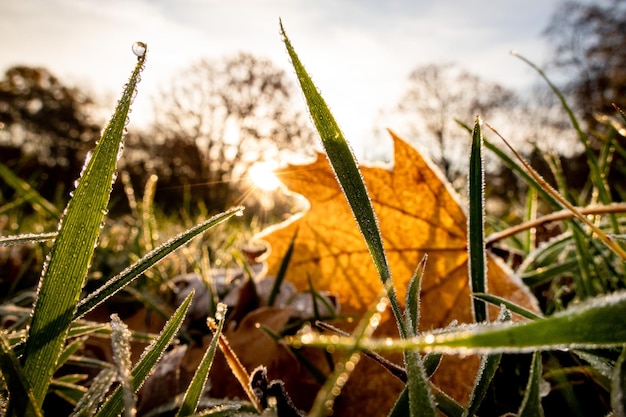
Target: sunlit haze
{"type": "Point", "coordinates": [359, 53]}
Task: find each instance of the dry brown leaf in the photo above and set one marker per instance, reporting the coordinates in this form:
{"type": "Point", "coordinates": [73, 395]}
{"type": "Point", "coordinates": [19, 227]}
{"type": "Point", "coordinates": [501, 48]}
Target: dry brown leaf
{"type": "Point", "coordinates": [418, 214]}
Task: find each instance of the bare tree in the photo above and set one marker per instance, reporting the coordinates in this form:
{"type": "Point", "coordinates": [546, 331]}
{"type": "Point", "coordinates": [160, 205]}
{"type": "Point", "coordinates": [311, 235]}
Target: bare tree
{"type": "Point", "coordinates": [45, 128]}
{"type": "Point", "coordinates": [219, 117]}
{"type": "Point", "coordinates": [589, 42]}
{"type": "Point", "coordinates": [437, 96]}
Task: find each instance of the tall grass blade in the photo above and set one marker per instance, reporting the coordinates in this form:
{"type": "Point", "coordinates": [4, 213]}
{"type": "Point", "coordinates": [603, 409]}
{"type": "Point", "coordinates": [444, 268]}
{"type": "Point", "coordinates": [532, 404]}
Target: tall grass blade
{"type": "Point", "coordinates": [64, 274]}
{"type": "Point", "coordinates": [344, 164]}
{"type": "Point", "coordinates": [531, 403]}
{"type": "Point", "coordinates": [147, 261]}
{"type": "Point", "coordinates": [476, 227]}
{"type": "Point", "coordinates": [20, 394]}
{"type": "Point", "coordinates": [114, 404]}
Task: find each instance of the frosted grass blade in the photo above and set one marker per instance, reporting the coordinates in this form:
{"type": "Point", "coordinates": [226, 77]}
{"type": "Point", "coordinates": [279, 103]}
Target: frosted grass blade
{"type": "Point", "coordinates": [147, 261]}
{"type": "Point", "coordinates": [600, 322]}
{"type": "Point", "coordinates": [63, 276]}
{"type": "Point", "coordinates": [195, 389]}
{"type": "Point", "coordinates": [21, 396]}
{"type": "Point", "coordinates": [344, 164]}
{"type": "Point", "coordinates": [475, 224]}
{"type": "Point", "coordinates": [115, 403]}
{"type": "Point", "coordinates": [531, 403]}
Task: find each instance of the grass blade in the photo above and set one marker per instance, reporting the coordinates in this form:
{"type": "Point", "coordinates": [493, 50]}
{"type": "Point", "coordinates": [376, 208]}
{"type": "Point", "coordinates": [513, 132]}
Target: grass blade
{"type": "Point", "coordinates": [487, 369]}
{"type": "Point", "coordinates": [280, 276]}
{"type": "Point", "coordinates": [476, 226]}
{"type": "Point", "coordinates": [63, 277]}
{"type": "Point", "coordinates": [147, 261]}
{"type": "Point", "coordinates": [618, 385]}
{"type": "Point", "coordinates": [24, 190]}
{"type": "Point", "coordinates": [344, 164]}
{"type": "Point", "coordinates": [192, 395]}
{"type": "Point", "coordinates": [531, 403]}
{"type": "Point", "coordinates": [600, 322]}
{"type": "Point", "coordinates": [21, 396]}
{"type": "Point", "coordinates": [115, 403]}
{"type": "Point", "coordinates": [26, 238]}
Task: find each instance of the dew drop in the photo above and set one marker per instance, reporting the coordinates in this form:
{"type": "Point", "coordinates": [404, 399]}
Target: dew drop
{"type": "Point", "coordinates": [139, 49]}
{"type": "Point", "coordinates": [220, 311]}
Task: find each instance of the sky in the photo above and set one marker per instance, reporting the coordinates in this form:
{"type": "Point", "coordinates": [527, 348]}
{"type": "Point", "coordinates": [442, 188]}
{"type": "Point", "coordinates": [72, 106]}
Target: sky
{"type": "Point", "coordinates": [359, 53]}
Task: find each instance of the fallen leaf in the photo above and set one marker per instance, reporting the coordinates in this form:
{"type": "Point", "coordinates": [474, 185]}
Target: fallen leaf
{"type": "Point", "coordinates": [418, 214]}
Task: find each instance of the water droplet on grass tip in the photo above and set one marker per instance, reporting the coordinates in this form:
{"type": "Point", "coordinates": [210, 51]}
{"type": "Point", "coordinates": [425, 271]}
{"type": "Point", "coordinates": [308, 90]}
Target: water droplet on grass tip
{"type": "Point", "coordinates": [220, 311]}
{"type": "Point", "coordinates": [139, 49]}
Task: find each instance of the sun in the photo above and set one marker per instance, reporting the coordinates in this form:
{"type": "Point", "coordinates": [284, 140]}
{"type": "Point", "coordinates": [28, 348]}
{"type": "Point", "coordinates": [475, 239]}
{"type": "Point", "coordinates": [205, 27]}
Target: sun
{"type": "Point", "coordinates": [261, 174]}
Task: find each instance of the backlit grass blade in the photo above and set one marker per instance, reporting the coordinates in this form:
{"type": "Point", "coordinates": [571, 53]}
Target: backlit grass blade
{"type": "Point", "coordinates": [64, 274]}
{"type": "Point", "coordinates": [24, 190]}
{"type": "Point", "coordinates": [420, 398]}
{"type": "Point", "coordinates": [115, 403]}
{"type": "Point", "coordinates": [129, 274]}
{"type": "Point", "coordinates": [600, 322]}
{"type": "Point", "coordinates": [475, 224]}
{"type": "Point", "coordinates": [26, 238]}
{"type": "Point", "coordinates": [21, 396]}
{"type": "Point", "coordinates": [195, 389]}
{"type": "Point", "coordinates": [344, 164]}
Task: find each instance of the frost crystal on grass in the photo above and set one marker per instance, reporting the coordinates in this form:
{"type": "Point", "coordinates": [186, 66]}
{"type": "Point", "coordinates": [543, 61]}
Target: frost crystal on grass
{"type": "Point", "coordinates": [120, 340]}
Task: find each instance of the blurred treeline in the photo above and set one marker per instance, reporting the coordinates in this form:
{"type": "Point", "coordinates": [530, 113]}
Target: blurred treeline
{"type": "Point", "coordinates": [217, 118]}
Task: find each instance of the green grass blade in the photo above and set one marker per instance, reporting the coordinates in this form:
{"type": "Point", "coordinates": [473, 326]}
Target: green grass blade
{"type": "Point", "coordinates": [344, 164]}
{"type": "Point", "coordinates": [23, 401]}
{"type": "Point", "coordinates": [600, 322]}
{"type": "Point", "coordinates": [26, 238]}
{"type": "Point", "coordinates": [282, 271]}
{"type": "Point", "coordinates": [129, 274]}
{"type": "Point", "coordinates": [115, 403]}
{"type": "Point", "coordinates": [531, 403]}
{"type": "Point", "coordinates": [401, 406]}
{"type": "Point", "coordinates": [193, 393]}
{"type": "Point", "coordinates": [476, 226]}
{"type": "Point", "coordinates": [63, 277]}
{"type": "Point", "coordinates": [421, 400]}
{"type": "Point", "coordinates": [412, 301]}
{"type": "Point", "coordinates": [618, 385]}
{"type": "Point", "coordinates": [514, 308]}
{"type": "Point", "coordinates": [487, 369]}
{"type": "Point", "coordinates": [24, 190]}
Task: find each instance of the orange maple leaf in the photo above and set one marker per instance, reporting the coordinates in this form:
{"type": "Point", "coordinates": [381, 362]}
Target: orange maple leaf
{"type": "Point", "coordinates": [418, 214]}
